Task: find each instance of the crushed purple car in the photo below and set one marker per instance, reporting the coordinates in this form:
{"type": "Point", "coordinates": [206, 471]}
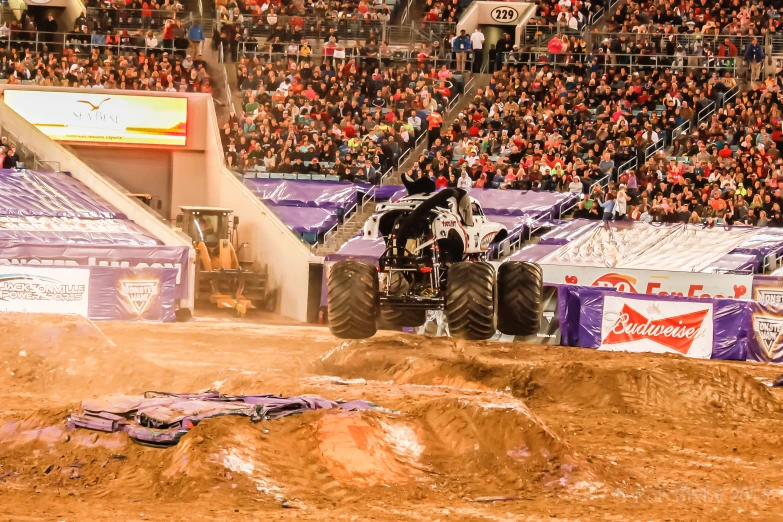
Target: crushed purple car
{"type": "Point", "coordinates": [161, 419]}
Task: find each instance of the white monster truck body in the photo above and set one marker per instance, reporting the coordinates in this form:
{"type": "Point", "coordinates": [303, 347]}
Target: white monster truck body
{"type": "Point", "coordinates": [476, 238]}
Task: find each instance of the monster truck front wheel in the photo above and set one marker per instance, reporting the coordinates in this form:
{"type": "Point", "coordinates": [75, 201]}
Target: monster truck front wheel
{"type": "Point", "coordinates": [471, 295]}
{"type": "Point", "coordinates": [520, 290]}
{"type": "Point", "coordinates": [352, 294]}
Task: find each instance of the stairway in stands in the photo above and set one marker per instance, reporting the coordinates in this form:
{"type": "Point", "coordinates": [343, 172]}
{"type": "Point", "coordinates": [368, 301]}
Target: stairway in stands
{"type": "Point", "coordinates": [347, 230]}
{"type": "Point", "coordinates": [355, 221]}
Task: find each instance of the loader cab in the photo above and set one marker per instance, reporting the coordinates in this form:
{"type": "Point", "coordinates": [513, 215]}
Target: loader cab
{"type": "Point", "coordinates": [207, 225]}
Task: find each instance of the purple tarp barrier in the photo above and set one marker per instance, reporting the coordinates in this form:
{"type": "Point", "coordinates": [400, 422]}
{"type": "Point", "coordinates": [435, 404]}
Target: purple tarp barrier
{"type": "Point", "coordinates": [733, 263]}
{"type": "Point", "coordinates": [163, 418]}
{"type": "Point", "coordinates": [51, 194]}
{"type": "Point", "coordinates": [128, 294]}
{"type": "Point", "coordinates": [303, 220]}
{"type": "Point", "coordinates": [765, 343]}
{"type": "Point", "coordinates": [304, 193]}
{"type": "Point", "coordinates": [522, 202]}
{"type": "Point", "coordinates": [107, 293]}
{"type": "Point", "coordinates": [569, 232]}
{"type": "Point", "coordinates": [71, 230]}
{"type": "Point", "coordinates": [32, 254]}
{"type": "Point", "coordinates": [532, 253]}
{"type": "Point", "coordinates": [719, 327]}
{"type": "Point", "coordinates": [382, 192]}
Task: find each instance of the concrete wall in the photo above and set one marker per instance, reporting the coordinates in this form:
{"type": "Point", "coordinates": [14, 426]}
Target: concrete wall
{"type": "Point", "coordinates": [199, 177]}
{"type": "Point", "coordinates": [57, 156]}
{"type": "Point", "coordinates": [271, 241]}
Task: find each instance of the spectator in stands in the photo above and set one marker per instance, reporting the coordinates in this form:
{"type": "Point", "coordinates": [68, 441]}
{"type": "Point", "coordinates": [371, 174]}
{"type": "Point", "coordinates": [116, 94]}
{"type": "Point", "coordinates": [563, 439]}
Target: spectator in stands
{"type": "Point", "coordinates": [754, 56]}
{"type": "Point", "coordinates": [477, 44]}
{"type": "Point", "coordinates": [461, 47]}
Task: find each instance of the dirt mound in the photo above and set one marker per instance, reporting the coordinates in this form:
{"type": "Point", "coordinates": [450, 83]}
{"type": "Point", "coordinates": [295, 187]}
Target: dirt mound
{"type": "Point", "coordinates": [587, 378]}
{"type": "Point", "coordinates": [494, 445]}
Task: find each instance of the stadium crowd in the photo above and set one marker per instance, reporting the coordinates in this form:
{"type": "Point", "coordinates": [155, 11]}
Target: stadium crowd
{"type": "Point", "coordinates": [572, 128]}
{"type": "Point", "coordinates": [351, 117]}
{"type": "Point", "coordinates": [718, 17]}
{"type": "Point", "coordinates": [96, 54]}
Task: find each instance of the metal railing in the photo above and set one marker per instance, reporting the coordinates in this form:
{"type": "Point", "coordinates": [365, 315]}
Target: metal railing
{"type": "Point", "coordinates": [82, 43]}
{"type": "Point", "coordinates": [437, 30]}
{"type": "Point", "coordinates": [705, 112]}
{"type": "Point", "coordinates": [317, 28]}
{"type": "Point", "coordinates": [46, 164]}
{"type": "Point", "coordinates": [602, 182]}
{"type": "Point", "coordinates": [103, 17]}
{"type": "Point", "coordinates": [707, 41]}
{"type": "Point", "coordinates": [391, 56]}
{"type": "Point", "coordinates": [684, 128]}
{"type": "Point", "coordinates": [406, 12]}
{"type": "Point", "coordinates": [654, 147]}
{"type": "Point", "coordinates": [632, 62]}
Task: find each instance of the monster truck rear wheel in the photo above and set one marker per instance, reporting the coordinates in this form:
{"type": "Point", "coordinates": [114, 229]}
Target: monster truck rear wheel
{"type": "Point", "coordinates": [471, 295]}
{"type": "Point", "coordinates": [520, 290]}
{"type": "Point", "coordinates": [352, 294]}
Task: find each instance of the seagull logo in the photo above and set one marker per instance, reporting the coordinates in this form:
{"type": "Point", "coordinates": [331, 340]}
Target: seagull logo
{"type": "Point", "coordinates": [94, 107]}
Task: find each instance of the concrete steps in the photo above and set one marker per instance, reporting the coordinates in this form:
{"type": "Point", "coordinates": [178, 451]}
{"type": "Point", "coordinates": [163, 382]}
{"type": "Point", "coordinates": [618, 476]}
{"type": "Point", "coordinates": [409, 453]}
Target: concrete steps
{"type": "Point", "coordinates": [347, 230]}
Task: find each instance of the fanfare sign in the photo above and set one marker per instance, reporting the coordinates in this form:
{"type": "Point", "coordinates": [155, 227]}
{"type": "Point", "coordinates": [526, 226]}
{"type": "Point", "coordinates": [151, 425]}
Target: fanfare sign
{"type": "Point", "coordinates": [653, 282]}
{"type": "Point", "coordinates": [103, 118]}
{"type": "Point", "coordinates": [641, 325]}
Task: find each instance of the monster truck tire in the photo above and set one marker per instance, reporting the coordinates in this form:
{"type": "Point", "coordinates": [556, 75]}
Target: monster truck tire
{"type": "Point", "coordinates": [352, 295]}
{"type": "Point", "coordinates": [471, 295]}
{"type": "Point", "coordinates": [392, 318]}
{"type": "Point", "coordinates": [520, 291]}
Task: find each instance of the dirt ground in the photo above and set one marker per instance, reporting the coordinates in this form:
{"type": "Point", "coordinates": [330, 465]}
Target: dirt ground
{"type": "Point", "coordinates": [470, 431]}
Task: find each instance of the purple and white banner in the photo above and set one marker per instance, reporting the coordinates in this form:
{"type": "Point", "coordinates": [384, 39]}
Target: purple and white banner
{"type": "Point", "coordinates": [113, 256]}
{"type": "Point", "coordinates": [97, 292]}
{"type": "Point", "coordinates": [44, 291]}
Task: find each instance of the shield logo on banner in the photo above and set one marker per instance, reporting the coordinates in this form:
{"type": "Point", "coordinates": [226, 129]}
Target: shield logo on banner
{"type": "Point", "coordinates": [139, 293]}
{"type": "Point", "coordinates": [768, 330]}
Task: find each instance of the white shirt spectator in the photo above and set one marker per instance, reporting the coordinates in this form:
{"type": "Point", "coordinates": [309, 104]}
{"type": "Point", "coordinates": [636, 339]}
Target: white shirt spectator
{"type": "Point", "coordinates": [477, 39]}
{"type": "Point", "coordinates": [464, 181]}
{"type": "Point", "coordinates": [576, 186]}
{"type": "Point", "coordinates": [573, 23]}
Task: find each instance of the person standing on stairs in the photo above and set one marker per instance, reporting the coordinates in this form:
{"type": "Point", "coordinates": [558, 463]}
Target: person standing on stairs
{"type": "Point", "coordinates": [477, 42]}
{"type": "Point", "coordinates": [435, 121]}
{"type": "Point", "coordinates": [461, 46]}
{"type": "Point", "coordinates": [754, 55]}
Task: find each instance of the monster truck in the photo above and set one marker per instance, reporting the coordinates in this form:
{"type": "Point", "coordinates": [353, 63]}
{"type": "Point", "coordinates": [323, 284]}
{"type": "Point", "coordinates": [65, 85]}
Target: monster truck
{"type": "Point", "coordinates": [437, 246]}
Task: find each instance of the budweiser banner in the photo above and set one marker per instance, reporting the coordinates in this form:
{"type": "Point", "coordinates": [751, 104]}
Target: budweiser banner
{"type": "Point", "coordinates": [766, 341]}
{"type": "Point", "coordinates": [605, 319]}
{"type": "Point", "coordinates": [631, 325]}
{"type": "Point", "coordinates": [652, 282]}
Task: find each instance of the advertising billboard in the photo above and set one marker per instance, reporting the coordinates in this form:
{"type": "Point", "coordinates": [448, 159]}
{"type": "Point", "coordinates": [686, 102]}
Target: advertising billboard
{"type": "Point", "coordinates": [84, 117]}
{"type": "Point", "coordinates": [44, 290]}
{"type": "Point", "coordinates": [652, 282]}
{"type": "Point", "coordinates": [634, 325]}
